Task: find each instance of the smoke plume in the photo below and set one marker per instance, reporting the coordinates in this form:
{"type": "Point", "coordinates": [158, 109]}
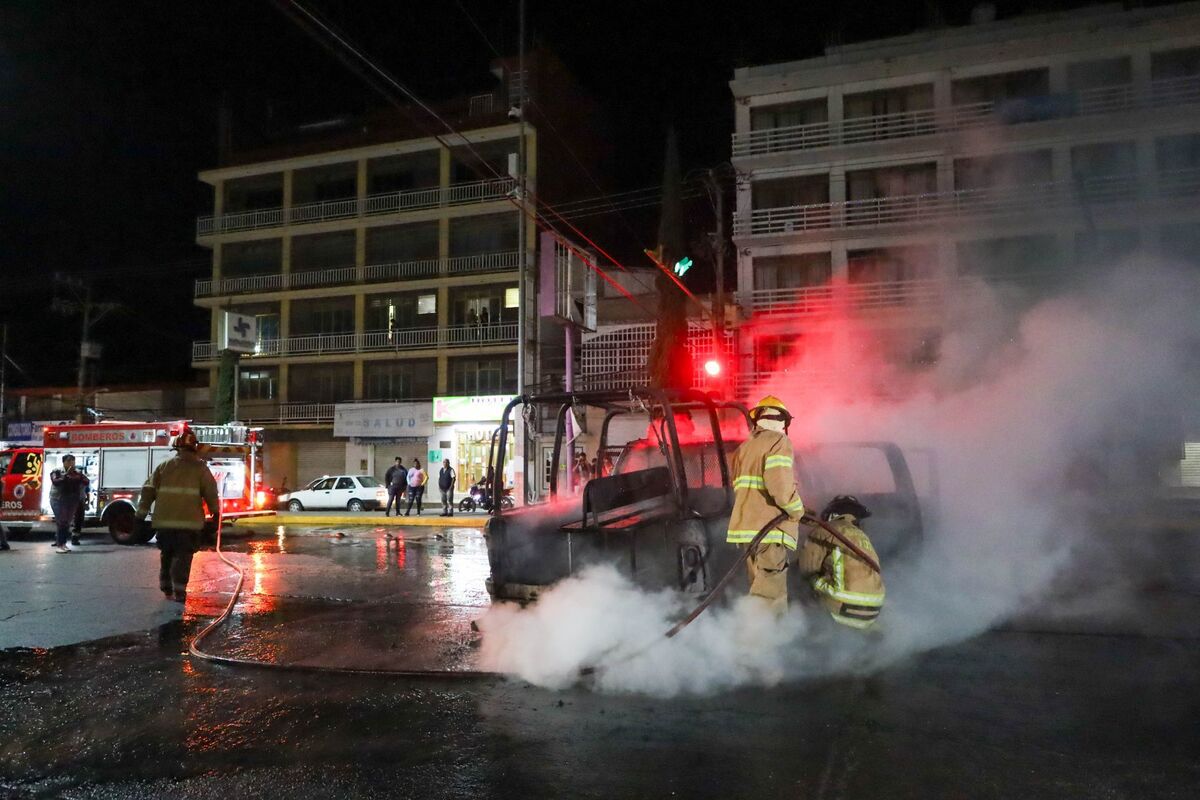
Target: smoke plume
{"type": "Point", "coordinates": [1048, 424]}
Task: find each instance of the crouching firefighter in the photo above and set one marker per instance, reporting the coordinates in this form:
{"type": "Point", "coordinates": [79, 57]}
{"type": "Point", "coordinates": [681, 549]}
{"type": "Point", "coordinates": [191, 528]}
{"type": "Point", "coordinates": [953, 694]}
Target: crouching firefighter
{"type": "Point", "coordinates": [179, 490]}
{"type": "Point", "coordinates": [764, 485]}
{"type": "Point", "coordinates": [843, 570]}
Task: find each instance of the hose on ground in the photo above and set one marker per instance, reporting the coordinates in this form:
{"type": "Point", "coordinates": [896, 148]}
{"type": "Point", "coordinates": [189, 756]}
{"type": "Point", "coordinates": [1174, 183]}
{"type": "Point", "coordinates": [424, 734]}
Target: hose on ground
{"type": "Point", "coordinates": [235, 661]}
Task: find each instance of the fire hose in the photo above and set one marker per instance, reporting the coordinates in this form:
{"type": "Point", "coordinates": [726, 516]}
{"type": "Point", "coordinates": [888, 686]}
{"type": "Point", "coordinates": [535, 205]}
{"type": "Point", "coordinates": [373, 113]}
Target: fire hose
{"type": "Point", "coordinates": [728, 576]}
{"type": "Point", "coordinates": [236, 661]}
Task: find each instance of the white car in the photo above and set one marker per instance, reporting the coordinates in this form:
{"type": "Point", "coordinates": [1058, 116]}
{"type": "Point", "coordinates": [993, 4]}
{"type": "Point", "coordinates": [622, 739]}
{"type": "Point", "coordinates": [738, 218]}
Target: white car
{"type": "Point", "coordinates": [351, 492]}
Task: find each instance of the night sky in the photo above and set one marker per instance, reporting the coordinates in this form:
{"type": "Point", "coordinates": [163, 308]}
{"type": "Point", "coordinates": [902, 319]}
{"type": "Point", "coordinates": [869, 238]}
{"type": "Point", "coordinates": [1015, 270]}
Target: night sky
{"type": "Point", "coordinates": [109, 109]}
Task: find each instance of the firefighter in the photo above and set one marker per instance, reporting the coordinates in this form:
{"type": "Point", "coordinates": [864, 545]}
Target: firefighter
{"type": "Point", "coordinates": [764, 485]}
{"type": "Point", "coordinates": [179, 490]}
{"type": "Point", "coordinates": [849, 588]}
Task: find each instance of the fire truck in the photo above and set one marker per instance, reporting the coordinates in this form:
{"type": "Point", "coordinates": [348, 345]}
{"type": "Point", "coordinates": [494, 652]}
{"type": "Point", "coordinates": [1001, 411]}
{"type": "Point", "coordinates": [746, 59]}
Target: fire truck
{"type": "Point", "coordinates": [117, 458]}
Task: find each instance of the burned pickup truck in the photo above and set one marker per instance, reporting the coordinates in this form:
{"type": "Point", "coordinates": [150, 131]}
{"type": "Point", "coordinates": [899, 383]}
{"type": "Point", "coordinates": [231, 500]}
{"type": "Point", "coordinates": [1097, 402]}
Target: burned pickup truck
{"type": "Point", "coordinates": [660, 509]}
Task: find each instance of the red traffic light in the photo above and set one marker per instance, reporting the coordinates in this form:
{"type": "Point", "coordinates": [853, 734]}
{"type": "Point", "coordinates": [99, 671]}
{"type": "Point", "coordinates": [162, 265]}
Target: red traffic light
{"type": "Point", "coordinates": [712, 367]}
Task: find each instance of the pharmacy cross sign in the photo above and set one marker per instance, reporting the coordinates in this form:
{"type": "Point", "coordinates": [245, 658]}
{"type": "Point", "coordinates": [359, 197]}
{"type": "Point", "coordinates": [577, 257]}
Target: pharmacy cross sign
{"type": "Point", "coordinates": [242, 327]}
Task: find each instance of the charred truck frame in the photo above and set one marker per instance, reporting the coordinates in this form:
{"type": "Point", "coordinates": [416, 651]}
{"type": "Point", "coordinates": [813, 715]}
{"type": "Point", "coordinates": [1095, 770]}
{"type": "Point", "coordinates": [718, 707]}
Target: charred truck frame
{"type": "Point", "coordinates": [661, 516]}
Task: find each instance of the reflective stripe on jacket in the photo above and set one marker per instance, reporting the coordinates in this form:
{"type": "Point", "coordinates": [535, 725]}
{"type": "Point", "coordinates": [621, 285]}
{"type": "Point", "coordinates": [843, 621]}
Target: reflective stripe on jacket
{"type": "Point", "coordinates": [179, 489]}
{"type": "Point", "coordinates": [764, 483]}
{"type": "Point", "coordinates": [851, 590]}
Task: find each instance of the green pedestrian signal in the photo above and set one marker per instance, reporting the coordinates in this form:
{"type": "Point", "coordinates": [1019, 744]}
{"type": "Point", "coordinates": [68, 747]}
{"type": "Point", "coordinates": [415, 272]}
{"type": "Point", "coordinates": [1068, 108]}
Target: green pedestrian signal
{"type": "Point", "coordinates": [682, 266]}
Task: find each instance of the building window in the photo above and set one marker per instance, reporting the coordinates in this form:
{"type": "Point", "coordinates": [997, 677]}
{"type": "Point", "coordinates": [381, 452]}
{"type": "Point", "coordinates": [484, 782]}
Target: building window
{"type": "Point", "coordinates": [319, 184]}
{"type": "Point", "coordinates": [324, 316]}
{"type": "Point", "coordinates": [483, 376]}
{"type": "Point", "coordinates": [320, 383]}
{"type": "Point", "coordinates": [802, 191]}
{"type": "Point", "coordinates": [259, 384]}
{"type": "Point", "coordinates": [402, 173]}
{"type": "Point", "coordinates": [792, 272]}
{"type": "Point", "coordinates": [323, 251]}
{"type": "Point", "coordinates": [241, 259]}
{"type": "Point", "coordinates": [252, 194]}
{"type": "Point", "coordinates": [1008, 169]}
{"type": "Point", "coordinates": [400, 380]}
{"type": "Point", "coordinates": [399, 243]}
{"type": "Point", "coordinates": [891, 264]}
{"type": "Point", "coordinates": [1013, 258]}
{"type": "Point", "coordinates": [486, 305]}
{"type": "Point", "coordinates": [789, 115]}
{"type": "Point", "coordinates": [883, 102]}
{"type": "Point", "coordinates": [483, 161]}
{"type": "Point", "coordinates": [1099, 74]}
{"type": "Point", "coordinates": [512, 297]}
{"type": "Point", "coordinates": [472, 236]}
{"type": "Point", "coordinates": [1000, 88]}
{"type": "Point", "coordinates": [392, 312]}
{"type": "Point", "coordinates": [901, 181]}
{"type": "Point", "coordinates": [1171, 64]}
{"type": "Point", "coordinates": [1178, 161]}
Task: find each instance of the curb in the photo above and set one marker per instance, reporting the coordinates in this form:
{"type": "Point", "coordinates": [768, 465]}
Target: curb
{"type": "Point", "coordinates": [365, 520]}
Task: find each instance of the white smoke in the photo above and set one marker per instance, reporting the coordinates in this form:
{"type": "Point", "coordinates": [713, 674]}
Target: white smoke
{"type": "Point", "coordinates": [1032, 417]}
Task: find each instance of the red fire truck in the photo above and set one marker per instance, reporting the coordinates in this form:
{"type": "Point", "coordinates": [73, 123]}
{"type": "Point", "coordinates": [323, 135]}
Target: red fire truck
{"type": "Point", "coordinates": [117, 457]}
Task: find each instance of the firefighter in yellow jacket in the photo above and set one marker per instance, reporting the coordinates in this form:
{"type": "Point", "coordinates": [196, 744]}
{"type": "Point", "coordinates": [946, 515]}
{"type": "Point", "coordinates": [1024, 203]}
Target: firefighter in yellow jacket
{"type": "Point", "coordinates": [179, 490]}
{"type": "Point", "coordinates": [846, 585]}
{"type": "Point", "coordinates": [764, 484]}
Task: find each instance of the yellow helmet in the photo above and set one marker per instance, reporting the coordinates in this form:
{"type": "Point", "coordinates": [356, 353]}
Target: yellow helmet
{"type": "Point", "coordinates": [771, 407]}
{"type": "Point", "coordinates": [770, 401]}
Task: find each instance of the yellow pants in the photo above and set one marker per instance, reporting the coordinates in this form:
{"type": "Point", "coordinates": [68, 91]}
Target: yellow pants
{"type": "Point", "coordinates": [767, 565]}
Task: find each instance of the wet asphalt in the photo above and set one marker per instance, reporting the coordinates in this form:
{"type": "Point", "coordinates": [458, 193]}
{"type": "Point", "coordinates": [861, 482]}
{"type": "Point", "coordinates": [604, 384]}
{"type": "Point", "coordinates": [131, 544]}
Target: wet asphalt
{"type": "Point", "coordinates": [1006, 715]}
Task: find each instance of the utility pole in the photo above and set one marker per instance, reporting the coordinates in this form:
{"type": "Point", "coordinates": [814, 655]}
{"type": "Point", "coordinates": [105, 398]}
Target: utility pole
{"type": "Point", "coordinates": [3, 375]}
{"type": "Point", "coordinates": [91, 314]}
{"type": "Point", "coordinates": [713, 184]}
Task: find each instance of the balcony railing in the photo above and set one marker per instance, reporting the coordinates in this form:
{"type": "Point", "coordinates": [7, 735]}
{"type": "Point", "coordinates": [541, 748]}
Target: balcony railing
{"type": "Point", "coordinates": [906, 124]}
{"type": "Point", "coordinates": [909, 209]}
{"type": "Point", "coordinates": [403, 339]}
{"type": "Point", "coordinates": [354, 207]}
{"type": "Point", "coordinates": [371, 273]}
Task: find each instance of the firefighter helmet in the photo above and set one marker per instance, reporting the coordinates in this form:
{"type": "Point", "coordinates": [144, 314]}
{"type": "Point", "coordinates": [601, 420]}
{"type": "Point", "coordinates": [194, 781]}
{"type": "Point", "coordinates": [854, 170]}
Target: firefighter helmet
{"type": "Point", "coordinates": [771, 407]}
{"type": "Point", "coordinates": [186, 440]}
{"type": "Point", "coordinates": [845, 504]}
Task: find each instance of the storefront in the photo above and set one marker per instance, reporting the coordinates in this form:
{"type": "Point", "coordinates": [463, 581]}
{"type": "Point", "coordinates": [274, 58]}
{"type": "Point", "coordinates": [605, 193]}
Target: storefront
{"type": "Point", "coordinates": [378, 433]}
{"type": "Point", "coordinates": [463, 429]}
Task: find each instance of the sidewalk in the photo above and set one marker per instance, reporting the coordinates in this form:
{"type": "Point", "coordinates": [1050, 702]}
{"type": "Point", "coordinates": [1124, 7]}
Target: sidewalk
{"type": "Point", "coordinates": [372, 518]}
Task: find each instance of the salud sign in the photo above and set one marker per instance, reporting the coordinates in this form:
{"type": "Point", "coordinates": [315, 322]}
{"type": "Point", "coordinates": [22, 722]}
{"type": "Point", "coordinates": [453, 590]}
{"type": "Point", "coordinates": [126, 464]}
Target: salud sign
{"type": "Point", "coordinates": [485, 408]}
{"type": "Point", "coordinates": [238, 332]}
{"type": "Point", "coordinates": [382, 420]}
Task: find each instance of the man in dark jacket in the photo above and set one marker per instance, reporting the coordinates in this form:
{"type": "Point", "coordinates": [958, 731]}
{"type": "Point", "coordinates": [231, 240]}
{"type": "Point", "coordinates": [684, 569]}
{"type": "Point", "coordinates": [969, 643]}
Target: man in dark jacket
{"type": "Point", "coordinates": [395, 479]}
{"type": "Point", "coordinates": [67, 489]}
{"type": "Point", "coordinates": [446, 479]}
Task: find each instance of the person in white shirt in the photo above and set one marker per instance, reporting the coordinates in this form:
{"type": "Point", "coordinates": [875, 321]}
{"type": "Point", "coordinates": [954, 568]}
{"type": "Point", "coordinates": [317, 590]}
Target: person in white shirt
{"type": "Point", "coordinates": [416, 486]}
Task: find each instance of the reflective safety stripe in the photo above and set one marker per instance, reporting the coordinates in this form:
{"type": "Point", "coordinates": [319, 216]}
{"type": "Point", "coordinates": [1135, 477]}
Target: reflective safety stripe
{"type": "Point", "coordinates": [774, 537]}
{"type": "Point", "coordinates": [828, 589]}
{"type": "Point", "coordinates": [192, 490]}
{"type": "Point", "coordinates": [851, 622]}
{"type": "Point", "coordinates": [795, 505]}
{"type": "Point", "coordinates": [778, 461]}
{"type": "Point", "coordinates": [748, 482]}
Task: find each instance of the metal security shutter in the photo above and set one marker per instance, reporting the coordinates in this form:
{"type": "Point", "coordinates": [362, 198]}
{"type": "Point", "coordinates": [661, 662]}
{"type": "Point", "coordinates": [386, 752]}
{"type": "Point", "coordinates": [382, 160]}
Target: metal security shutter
{"type": "Point", "coordinates": [314, 459]}
{"type": "Point", "coordinates": [1189, 467]}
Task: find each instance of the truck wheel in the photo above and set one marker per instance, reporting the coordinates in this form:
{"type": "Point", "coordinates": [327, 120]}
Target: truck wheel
{"type": "Point", "coordinates": [355, 505]}
{"type": "Point", "coordinates": [121, 526]}
{"type": "Point", "coordinates": [295, 505]}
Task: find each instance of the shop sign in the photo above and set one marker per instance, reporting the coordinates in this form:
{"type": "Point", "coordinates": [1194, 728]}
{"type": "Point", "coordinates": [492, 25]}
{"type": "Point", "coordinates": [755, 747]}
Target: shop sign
{"type": "Point", "coordinates": [382, 420]}
{"type": "Point", "coordinates": [486, 408]}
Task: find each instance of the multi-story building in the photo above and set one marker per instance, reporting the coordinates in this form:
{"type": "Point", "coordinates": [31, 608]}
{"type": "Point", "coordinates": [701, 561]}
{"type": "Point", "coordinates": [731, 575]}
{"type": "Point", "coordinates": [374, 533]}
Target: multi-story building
{"type": "Point", "coordinates": [874, 178]}
{"type": "Point", "coordinates": [383, 264]}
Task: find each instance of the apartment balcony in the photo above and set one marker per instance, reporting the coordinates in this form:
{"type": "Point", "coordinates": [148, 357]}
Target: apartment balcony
{"type": "Point", "coordinates": [355, 207]}
{"type": "Point", "coordinates": [371, 273]}
{"type": "Point", "coordinates": [908, 124]}
{"type": "Point", "coordinates": [999, 201]}
{"type": "Point", "coordinates": [403, 340]}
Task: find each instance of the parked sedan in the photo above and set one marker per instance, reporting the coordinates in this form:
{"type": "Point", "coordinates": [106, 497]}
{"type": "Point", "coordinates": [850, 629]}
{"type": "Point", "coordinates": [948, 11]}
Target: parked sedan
{"type": "Point", "coordinates": [351, 492]}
